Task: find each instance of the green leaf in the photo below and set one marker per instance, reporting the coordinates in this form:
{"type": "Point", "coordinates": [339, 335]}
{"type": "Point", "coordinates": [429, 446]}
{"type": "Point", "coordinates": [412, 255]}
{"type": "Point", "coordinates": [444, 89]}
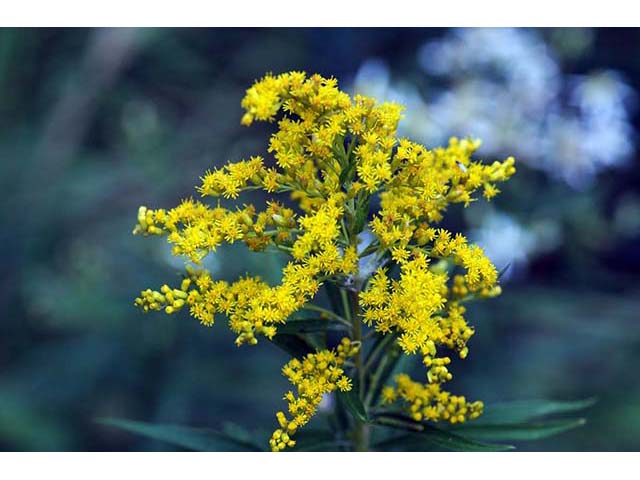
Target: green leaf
{"type": "Point", "coordinates": [518, 432]}
{"type": "Point", "coordinates": [362, 211]}
{"type": "Point", "coordinates": [308, 325]}
{"type": "Point", "coordinates": [504, 270]}
{"type": "Point", "coordinates": [346, 172]}
{"type": "Point", "coordinates": [400, 421]}
{"type": "Point", "coordinates": [515, 420]}
{"type": "Point", "coordinates": [197, 439]}
{"type": "Point", "coordinates": [523, 410]}
{"type": "Point", "coordinates": [432, 438]}
{"type": "Point", "coordinates": [243, 436]}
{"type": "Point", "coordinates": [316, 441]}
{"type": "Point", "coordinates": [333, 294]}
{"type": "Point", "coordinates": [353, 403]}
{"type": "Point", "coordinates": [294, 345]}
{"type": "Point", "coordinates": [339, 420]}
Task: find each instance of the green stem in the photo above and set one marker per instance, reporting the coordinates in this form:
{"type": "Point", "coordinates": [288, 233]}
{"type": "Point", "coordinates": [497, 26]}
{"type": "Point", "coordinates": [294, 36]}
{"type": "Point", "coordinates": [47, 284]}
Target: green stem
{"type": "Point", "coordinates": [381, 347]}
{"type": "Point", "coordinates": [375, 378]}
{"type": "Point", "coordinates": [329, 313]}
{"type": "Point", "coordinates": [356, 324]}
{"type": "Point", "coordinates": [345, 231]}
{"type": "Point", "coordinates": [399, 423]}
{"type": "Point", "coordinates": [369, 336]}
{"type": "Point", "coordinates": [351, 147]}
{"type": "Point", "coordinates": [345, 305]}
{"type": "Point", "coordinates": [360, 429]}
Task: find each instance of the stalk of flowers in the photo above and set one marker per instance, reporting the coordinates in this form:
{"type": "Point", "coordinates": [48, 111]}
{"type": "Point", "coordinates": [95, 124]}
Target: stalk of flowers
{"type": "Point", "coordinates": [348, 177]}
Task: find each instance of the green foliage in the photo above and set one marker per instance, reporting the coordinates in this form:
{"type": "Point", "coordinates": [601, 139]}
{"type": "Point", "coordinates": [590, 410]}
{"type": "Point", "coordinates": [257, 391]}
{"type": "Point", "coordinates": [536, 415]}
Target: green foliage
{"type": "Point", "coordinates": [435, 439]}
{"type": "Point", "coordinates": [514, 421]}
{"type": "Point", "coordinates": [308, 325]}
{"type": "Point", "coordinates": [354, 405]}
{"type": "Point", "coordinates": [310, 440]}
{"type": "Point", "coordinates": [519, 420]}
{"type": "Point", "coordinates": [231, 439]}
{"type": "Point", "coordinates": [295, 345]}
{"type": "Point", "coordinates": [519, 431]}
{"type": "Point", "coordinates": [523, 410]}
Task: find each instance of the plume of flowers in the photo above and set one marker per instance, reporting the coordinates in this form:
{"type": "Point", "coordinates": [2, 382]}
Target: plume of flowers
{"type": "Point", "coordinates": [333, 156]}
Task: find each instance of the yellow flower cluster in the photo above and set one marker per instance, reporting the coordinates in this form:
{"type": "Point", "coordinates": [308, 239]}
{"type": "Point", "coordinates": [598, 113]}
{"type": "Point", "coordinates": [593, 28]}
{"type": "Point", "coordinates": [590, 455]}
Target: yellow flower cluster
{"type": "Point", "coordinates": [332, 153]}
{"type": "Point", "coordinates": [317, 374]}
{"type": "Point", "coordinates": [230, 180]}
{"type": "Point", "coordinates": [407, 305]}
{"type": "Point", "coordinates": [424, 182]}
{"type": "Point", "coordinates": [252, 306]}
{"type": "Point", "coordinates": [480, 276]}
{"type": "Point", "coordinates": [424, 309]}
{"type": "Point", "coordinates": [195, 229]}
{"type": "Point", "coordinates": [429, 402]}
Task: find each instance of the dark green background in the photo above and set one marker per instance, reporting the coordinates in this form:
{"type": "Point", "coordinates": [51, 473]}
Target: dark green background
{"type": "Point", "coordinates": [94, 123]}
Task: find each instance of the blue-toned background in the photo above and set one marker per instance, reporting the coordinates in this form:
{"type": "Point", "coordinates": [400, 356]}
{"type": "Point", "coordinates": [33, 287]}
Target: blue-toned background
{"type": "Point", "coordinates": [94, 123]}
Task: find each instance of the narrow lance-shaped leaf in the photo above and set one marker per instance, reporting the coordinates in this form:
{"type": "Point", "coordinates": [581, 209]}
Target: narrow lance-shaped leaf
{"type": "Point", "coordinates": [432, 438]}
{"type": "Point", "coordinates": [517, 420]}
{"type": "Point", "coordinates": [519, 431]}
{"type": "Point", "coordinates": [308, 325]}
{"type": "Point", "coordinates": [333, 294]}
{"type": "Point", "coordinates": [317, 441]}
{"type": "Point", "coordinates": [521, 411]}
{"type": "Point", "coordinates": [198, 439]}
{"type": "Point", "coordinates": [504, 270]}
{"type": "Point", "coordinates": [353, 403]}
{"type": "Point", "coordinates": [294, 345]}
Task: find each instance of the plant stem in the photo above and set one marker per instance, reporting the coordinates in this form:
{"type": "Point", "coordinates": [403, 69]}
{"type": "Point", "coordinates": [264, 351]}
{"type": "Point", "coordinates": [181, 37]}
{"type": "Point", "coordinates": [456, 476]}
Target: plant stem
{"type": "Point", "coordinates": [356, 325]}
{"type": "Point", "coordinates": [328, 313]}
{"type": "Point", "coordinates": [379, 348]}
{"type": "Point", "coordinates": [346, 306]}
{"type": "Point", "coordinates": [375, 378]}
{"type": "Point", "coordinates": [360, 430]}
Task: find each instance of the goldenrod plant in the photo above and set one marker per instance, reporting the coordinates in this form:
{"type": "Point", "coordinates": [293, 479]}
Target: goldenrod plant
{"type": "Point", "coordinates": [357, 211]}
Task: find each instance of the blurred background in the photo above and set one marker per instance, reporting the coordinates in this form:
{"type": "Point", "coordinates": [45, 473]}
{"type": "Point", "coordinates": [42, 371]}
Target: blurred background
{"type": "Point", "coordinates": [95, 122]}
